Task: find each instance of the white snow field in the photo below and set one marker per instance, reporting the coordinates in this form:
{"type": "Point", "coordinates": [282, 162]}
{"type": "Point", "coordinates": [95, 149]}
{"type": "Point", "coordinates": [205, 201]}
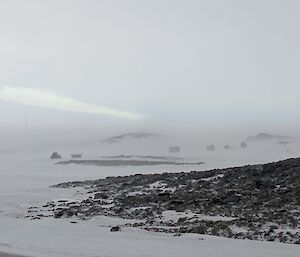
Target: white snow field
{"type": "Point", "coordinates": [25, 181]}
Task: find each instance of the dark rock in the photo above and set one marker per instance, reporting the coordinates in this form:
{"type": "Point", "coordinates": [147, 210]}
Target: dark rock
{"type": "Point", "coordinates": [115, 229]}
{"type": "Point", "coordinates": [55, 155]}
{"type": "Point", "coordinates": [100, 196]}
{"type": "Point", "coordinates": [58, 214]}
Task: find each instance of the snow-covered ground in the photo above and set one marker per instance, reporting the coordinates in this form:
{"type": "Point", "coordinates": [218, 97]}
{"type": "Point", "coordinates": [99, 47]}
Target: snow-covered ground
{"type": "Point", "coordinates": [25, 181]}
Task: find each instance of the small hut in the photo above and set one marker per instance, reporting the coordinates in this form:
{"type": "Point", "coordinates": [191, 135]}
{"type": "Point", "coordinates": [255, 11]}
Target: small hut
{"type": "Point", "coordinates": [211, 147]}
{"type": "Point", "coordinates": [243, 145]}
{"type": "Point", "coordinates": [174, 149]}
{"type": "Point", "coordinates": [76, 155]}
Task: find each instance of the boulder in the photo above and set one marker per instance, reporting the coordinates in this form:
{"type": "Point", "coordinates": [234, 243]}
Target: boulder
{"type": "Point", "coordinates": [100, 196]}
{"type": "Point", "coordinates": [115, 229]}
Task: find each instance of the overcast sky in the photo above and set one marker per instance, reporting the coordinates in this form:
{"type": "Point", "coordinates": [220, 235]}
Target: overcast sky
{"type": "Point", "coordinates": [169, 62]}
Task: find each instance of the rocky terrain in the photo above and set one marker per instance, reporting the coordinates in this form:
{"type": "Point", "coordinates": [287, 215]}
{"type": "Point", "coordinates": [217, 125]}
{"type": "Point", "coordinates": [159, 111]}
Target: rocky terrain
{"type": "Point", "coordinates": [260, 202]}
{"type": "Point", "coordinates": [131, 162]}
{"type": "Point", "coordinates": [151, 157]}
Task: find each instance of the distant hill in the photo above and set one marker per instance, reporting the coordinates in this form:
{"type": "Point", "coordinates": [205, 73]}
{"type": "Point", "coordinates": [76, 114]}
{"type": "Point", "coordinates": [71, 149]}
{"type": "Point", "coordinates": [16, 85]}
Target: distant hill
{"type": "Point", "coordinates": [5, 151]}
{"type": "Point", "coordinates": [119, 138]}
{"type": "Point", "coordinates": [268, 137]}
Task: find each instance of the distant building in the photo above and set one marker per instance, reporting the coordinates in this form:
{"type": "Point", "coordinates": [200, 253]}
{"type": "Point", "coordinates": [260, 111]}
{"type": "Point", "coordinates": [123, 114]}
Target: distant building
{"type": "Point", "coordinates": [174, 149]}
{"type": "Point", "coordinates": [210, 147]}
{"type": "Point", "coordinates": [226, 147]}
{"type": "Point", "coordinates": [76, 155]}
{"type": "Point", "coordinates": [243, 145]}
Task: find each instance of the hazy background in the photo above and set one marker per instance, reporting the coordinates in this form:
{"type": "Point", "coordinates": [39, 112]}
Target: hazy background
{"type": "Point", "coordinates": [198, 69]}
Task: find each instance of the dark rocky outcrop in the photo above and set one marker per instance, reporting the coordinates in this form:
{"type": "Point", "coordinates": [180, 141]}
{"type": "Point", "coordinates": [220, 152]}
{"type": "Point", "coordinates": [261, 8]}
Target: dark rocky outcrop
{"type": "Point", "coordinates": [258, 202]}
{"type": "Point", "coordinates": [115, 229]}
{"type": "Point", "coordinates": [55, 156]}
{"type": "Point", "coordinates": [122, 162]}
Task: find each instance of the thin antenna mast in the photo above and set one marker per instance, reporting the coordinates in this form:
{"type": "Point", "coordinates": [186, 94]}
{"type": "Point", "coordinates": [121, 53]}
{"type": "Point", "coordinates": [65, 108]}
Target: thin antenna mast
{"type": "Point", "coordinates": [26, 129]}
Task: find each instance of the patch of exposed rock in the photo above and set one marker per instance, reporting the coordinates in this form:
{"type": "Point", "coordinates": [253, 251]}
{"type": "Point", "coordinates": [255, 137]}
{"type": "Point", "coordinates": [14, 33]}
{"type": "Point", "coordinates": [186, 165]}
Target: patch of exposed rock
{"type": "Point", "coordinates": [260, 202]}
{"type": "Point", "coordinates": [122, 162]}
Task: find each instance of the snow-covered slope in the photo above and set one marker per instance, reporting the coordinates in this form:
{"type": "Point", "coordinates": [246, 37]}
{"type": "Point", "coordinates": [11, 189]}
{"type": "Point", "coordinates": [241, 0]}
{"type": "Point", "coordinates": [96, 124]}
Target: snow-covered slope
{"type": "Point", "coordinates": [25, 182]}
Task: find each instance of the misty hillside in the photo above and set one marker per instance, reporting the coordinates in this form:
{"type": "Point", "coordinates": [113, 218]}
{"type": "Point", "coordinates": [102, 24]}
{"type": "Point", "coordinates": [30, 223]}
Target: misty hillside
{"type": "Point", "coordinates": [119, 138]}
{"type": "Point", "coordinates": [268, 137]}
